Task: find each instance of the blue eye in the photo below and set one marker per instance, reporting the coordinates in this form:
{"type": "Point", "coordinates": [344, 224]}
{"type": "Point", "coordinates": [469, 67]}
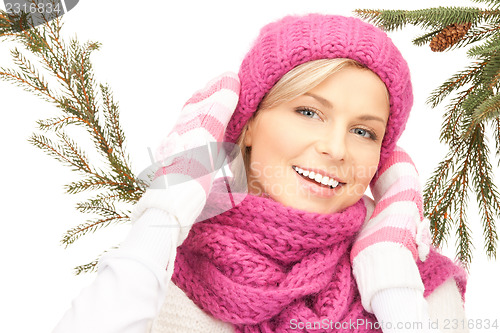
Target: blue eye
{"type": "Point", "coordinates": [308, 112]}
{"type": "Point", "coordinates": [364, 132]}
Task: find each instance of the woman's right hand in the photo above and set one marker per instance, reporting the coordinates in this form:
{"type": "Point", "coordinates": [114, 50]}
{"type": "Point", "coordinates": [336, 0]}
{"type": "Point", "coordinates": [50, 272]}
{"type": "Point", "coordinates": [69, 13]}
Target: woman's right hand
{"type": "Point", "coordinates": [189, 157]}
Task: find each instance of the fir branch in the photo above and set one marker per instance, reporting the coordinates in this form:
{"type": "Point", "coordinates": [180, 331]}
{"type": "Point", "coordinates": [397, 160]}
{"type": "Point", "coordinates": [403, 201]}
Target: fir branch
{"type": "Point", "coordinates": [491, 71]}
{"type": "Point", "coordinates": [487, 197]}
{"type": "Point", "coordinates": [456, 81]}
{"type": "Point", "coordinates": [431, 18]}
{"type": "Point", "coordinates": [426, 38]}
{"type": "Point", "coordinates": [98, 182]}
{"type": "Point", "coordinates": [453, 116]}
{"type": "Point", "coordinates": [57, 151]}
{"type": "Point", "coordinates": [476, 103]}
{"type": "Point", "coordinates": [470, 105]}
{"type": "Point", "coordinates": [496, 135]}
{"type": "Point", "coordinates": [82, 75]}
{"type": "Point", "coordinates": [31, 74]}
{"type": "Point", "coordinates": [464, 243]}
{"type": "Point", "coordinates": [91, 266]}
{"type": "Point", "coordinates": [487, 110]}
{"type": "Point", "coordinates": [489, 48]}
{"type": "Point", "coordinates": [90, 226]}
{"type": "Point", "coordinates": [440, 192]}
{"type": "Point", "coordinates": [111, 115]}
{"type": "Point", "coordinates": [24, 82]}
{"type": "Point", "coordinates": [476, 34]}
{"type": "Point", "coordinates": [58, 123]}
{"type": "Point", "coordinates": [84, 103]}
{"type": "Point", "coordinates": [100, 207]}
{"type": "Point", "coordinates": [495, 4]}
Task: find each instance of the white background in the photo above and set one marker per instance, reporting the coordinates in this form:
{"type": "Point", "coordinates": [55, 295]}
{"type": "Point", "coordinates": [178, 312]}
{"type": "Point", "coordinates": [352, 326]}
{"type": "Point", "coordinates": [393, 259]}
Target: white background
{"type": "Point", "coordinates": [154, 56]}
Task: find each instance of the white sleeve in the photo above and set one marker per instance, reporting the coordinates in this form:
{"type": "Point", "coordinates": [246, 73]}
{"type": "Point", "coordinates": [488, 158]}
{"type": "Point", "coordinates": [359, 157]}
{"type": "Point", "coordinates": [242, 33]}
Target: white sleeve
{"type": "Point", "coordinates": [402, 310]}
{"type": "Point", "coordinates": [446, 308]}
{"type": "Point", "coordinates": [407, 311]}
{"type": "Point", "coordinates": [131, 282]}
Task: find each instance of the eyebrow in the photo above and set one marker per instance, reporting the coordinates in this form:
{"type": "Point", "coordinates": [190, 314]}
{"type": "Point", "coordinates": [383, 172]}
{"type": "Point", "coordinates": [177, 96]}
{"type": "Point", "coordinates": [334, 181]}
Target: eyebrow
{"type": "Point", "coordinates": [320, 99]}
{"type": "Point", "coordinates": [327, 104]}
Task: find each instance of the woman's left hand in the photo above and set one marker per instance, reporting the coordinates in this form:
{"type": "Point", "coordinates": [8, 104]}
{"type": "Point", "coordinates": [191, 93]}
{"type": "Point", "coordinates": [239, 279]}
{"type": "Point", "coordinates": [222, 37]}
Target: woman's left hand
{"type": "Point", "coordinates": [398, 215]}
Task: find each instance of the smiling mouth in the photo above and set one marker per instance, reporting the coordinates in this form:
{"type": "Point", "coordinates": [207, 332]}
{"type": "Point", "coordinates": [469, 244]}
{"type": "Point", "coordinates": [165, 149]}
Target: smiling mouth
{"type": "Point", "coordinates": [317, 179]}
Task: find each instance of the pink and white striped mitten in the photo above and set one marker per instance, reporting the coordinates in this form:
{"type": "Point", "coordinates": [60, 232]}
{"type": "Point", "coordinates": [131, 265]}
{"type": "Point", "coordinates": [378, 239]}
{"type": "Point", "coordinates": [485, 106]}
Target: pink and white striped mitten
{"type": "Point", "coordinates": [188, 165]}
{"type": "Point", "coordinates": [396, 234]}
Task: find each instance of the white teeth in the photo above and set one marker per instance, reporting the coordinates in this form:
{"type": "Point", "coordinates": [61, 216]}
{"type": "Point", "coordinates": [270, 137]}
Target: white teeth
{"type": "Point", "coordinates": [325, 180]}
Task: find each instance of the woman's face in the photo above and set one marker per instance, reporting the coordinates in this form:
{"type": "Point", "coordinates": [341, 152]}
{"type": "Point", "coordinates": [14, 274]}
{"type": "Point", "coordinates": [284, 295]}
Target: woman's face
{"type": "Point", "coordinates": [333, 133]}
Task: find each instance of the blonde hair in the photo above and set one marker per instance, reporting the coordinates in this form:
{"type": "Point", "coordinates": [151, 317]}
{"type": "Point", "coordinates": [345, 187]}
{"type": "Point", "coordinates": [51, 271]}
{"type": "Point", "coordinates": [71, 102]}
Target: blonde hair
{"type": "Point", "coordinates": [296, 82]}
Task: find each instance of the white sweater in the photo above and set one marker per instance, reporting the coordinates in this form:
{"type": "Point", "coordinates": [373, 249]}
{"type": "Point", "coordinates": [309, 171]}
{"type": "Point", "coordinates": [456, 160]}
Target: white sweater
{"type": "Point", "coordinates": [132, 292]}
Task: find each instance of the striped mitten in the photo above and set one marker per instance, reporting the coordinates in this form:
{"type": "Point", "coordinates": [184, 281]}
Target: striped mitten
{"type": "Point", "coordinates": [396, 235]}
{"type": "Point", "coordinates": [186, 151]}
{"type": "Point", "coordinates": [187, 161]}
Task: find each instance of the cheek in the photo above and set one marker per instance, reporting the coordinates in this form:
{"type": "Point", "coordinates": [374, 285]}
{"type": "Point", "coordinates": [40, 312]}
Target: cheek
{"type": "Point", "coordinates": [265, 153]}
{"type": "Point", "coordinates": [365, 166]}
{"type": "Point", "coordinates": [275, 142]}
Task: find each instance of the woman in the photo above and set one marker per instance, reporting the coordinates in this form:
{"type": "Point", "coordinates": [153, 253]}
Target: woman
{"type": "Point", "coordinates": [314, 132]}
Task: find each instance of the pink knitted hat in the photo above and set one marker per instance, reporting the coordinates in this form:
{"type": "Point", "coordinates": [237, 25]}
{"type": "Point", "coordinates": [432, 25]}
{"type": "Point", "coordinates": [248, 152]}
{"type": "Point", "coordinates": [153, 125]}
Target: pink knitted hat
{"type": "Point", "coordinates": [294, 40]}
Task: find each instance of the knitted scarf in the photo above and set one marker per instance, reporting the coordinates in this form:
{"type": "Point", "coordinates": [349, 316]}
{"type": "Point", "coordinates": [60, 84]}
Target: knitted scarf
{"type": "Point", "coordinates": [265, 267]}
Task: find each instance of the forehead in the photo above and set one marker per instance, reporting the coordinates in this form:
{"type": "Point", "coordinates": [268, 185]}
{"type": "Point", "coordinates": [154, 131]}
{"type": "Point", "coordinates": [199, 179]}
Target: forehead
{"type": "Point", "coordinates": [352, 81]}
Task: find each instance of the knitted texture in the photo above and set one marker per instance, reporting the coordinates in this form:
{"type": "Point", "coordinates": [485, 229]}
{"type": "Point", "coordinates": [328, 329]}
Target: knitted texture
{"type": "Point", "coordinates": [294, 40]}
{"type": "Point", "coordinates": [261, 265]}
{"type": "Point", "coordinates": [398, 214]}
{"type": "Point", "coordinates": [203, 119]}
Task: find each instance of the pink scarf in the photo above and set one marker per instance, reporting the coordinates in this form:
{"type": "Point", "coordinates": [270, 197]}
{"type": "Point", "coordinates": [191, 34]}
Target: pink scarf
{"type": "Point", "coordinates": [265, 267]}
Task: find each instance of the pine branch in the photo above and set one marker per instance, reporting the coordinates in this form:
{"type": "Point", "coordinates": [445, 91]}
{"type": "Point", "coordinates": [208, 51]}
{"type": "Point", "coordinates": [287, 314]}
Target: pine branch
{"type": "Point", "coordinates": [477, 34]}
{"type": "Point", "coordinates": [82, 102]}
{"type": "Point", "coordinates": [97, 182]}
{"type": "Point", "coordinates": [450, 129]}
{"type": "Point", "coordinates": [431, 18]}
{"type": "Point", "coordinates": [487, 194]}
{"type": "Point", "coordinates": [489, 48]}
{"type": "Point", "coordinates": [496, 135]}
{"type": "Point", "coordinates": [464, 242]}
{"type": "Point", "coordinates": [441, 201]}
{"type": "Point", "coordinates": [100, 207]}
{"type": "Point", "coordinates": [91, 266]}
{"type": "Point", "coordinates": [58, 123]}
{"type": "Point", "coordinates": [55, 150]}
{"type": "Point", "coordinates": [495, 4]}
{"type": "Point", "coordinates": [28, 83]}
{"type": "Point", "coordinates": [476, 102]}
{"type": "Point", "coordinates": [112, 119]}
{"type": "Point", "coordinates": [90, 226]}
{"type": "Point", "coordinates": [487, 110]}
{"type": "Point", "coordinates": [426, 38]}
{"type": "Point", "coordinates": [458, 80]}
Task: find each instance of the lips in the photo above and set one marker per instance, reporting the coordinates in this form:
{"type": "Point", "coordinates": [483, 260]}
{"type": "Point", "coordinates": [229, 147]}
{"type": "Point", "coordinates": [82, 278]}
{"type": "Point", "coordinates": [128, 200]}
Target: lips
{"type": "Point", "coordinates": [317, 188]}
{"type": "Point", "coordinates": [318, 177]}
{"type": "Point", "coordinates": [315, 182]}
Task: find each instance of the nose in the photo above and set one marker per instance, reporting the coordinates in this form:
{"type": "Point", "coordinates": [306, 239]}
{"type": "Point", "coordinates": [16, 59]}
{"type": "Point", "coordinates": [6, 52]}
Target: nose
{"type": "Point", "coordinates": [332, 144]}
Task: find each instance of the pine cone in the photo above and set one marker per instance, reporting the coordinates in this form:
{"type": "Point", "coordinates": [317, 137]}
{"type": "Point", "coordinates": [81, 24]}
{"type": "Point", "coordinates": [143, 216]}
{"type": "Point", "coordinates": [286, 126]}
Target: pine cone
{"type": "Point", "coordinates": [449, 36]}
